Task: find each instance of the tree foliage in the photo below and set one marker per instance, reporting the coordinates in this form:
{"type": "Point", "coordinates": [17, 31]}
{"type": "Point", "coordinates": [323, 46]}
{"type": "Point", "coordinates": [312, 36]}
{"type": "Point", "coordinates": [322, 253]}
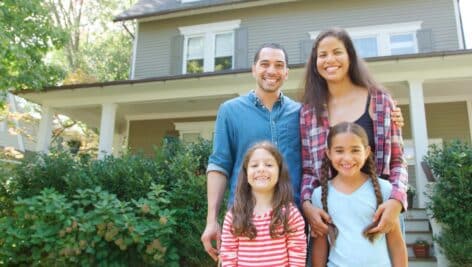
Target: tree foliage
{"type": "Point", "coordinates": [27, 33]}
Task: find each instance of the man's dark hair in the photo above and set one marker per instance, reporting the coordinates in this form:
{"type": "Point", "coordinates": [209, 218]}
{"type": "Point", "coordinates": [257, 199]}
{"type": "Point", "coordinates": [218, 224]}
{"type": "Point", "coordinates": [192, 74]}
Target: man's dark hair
{"type": "Point", "coordinates": [270, 45]}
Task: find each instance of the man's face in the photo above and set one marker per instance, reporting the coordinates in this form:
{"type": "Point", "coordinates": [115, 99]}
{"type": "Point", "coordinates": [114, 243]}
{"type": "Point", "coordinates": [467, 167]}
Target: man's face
{"type": "Point", "coordinates": [270, 70]}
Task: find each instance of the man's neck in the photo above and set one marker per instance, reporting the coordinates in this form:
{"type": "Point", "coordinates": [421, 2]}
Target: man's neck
{"type": "Point", "coordinates": [268, 98]}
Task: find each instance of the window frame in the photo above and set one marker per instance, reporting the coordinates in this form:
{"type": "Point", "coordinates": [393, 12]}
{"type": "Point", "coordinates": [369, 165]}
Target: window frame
{"type": "Point", "coordinates": [208, 32]}
{"type": "Point", "coordinates": [383, 33]}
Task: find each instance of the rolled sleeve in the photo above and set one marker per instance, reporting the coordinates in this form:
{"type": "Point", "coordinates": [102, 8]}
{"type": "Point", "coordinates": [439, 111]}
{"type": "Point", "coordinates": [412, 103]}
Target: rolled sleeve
{"type": "Point", "coordinates": [221, 159]}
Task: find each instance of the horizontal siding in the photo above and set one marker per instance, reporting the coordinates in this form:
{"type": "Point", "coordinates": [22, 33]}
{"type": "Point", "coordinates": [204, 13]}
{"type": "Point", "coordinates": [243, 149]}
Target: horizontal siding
{"type": "Point", "coordinates": [289, 24]}
{"type": "Point", "coordinates": [444, 120]}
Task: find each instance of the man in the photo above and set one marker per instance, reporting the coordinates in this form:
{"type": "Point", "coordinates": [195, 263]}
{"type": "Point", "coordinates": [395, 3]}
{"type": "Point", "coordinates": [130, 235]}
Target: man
{"type": "Point", "coordinates": [263, 114]}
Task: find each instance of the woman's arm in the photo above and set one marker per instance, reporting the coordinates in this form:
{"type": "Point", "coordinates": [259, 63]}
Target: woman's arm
{"type": "Point", "coordinates": [396, 247]}
{"type": "Point", "coordinates": [319, 251]}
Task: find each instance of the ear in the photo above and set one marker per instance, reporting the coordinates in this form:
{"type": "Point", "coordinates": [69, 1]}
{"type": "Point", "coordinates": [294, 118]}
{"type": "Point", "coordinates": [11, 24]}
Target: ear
{"type": "Point", "coordinates": [253, 69]}
{"type": "Point", "coordinates": [286, 74]}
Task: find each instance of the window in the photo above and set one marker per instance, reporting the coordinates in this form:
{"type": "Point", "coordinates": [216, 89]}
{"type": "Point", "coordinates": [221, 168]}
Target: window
{"type": "Point", "coordinates": [191, 131]}
{"type": "Point", "coordinates": [384, 40]}
{"type": "Point", "coordinates": [209, 47]}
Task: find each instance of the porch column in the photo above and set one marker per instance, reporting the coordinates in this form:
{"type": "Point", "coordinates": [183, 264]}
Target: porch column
{"type": "Point", "coordinates": [420, 135]}
{"type": "Point", "coordinates": [45, 130]}
{"type": "Point", "coordinates": [469, 114]}
{"type": "Point", "coordinates": [107, 130]}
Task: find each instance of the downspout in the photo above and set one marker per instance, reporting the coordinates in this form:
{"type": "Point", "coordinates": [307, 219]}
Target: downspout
{"type": "Point", "coordinates": [133, 54]}
{"type": "Point", "coordinates": [461, 25]}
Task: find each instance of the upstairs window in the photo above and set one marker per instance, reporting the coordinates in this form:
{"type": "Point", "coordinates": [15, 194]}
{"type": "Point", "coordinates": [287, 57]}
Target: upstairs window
{"type": "Point", "coordinates": [384, 40]}
{"type": "Point", "coordinates": [208, 47]}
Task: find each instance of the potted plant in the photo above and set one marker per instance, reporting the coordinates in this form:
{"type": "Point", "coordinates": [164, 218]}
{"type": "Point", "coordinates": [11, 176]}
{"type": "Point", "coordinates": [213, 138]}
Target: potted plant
{"type": "Point", "coordinates": [410, 193]}
{"type": "Point", "coordinates": [421, 249]}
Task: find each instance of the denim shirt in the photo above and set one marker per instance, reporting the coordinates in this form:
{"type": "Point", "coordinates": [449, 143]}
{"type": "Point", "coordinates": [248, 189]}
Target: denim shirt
{"type": "Point", "coordinates": [243, 121]}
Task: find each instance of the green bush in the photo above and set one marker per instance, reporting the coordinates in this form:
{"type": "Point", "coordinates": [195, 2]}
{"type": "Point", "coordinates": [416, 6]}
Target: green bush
{"type": "Point", "coordinates": [451, 198]}
{"type": "Point", "coordinates": [148, 212]}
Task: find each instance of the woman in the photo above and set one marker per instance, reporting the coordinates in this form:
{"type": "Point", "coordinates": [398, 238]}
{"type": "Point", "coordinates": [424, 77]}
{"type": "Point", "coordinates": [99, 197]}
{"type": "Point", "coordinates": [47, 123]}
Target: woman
{"type": "Point", "coordinates": [338, 87]}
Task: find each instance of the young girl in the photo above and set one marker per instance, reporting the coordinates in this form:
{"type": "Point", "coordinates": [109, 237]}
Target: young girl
{"type": "Point", "coordinates": [263, 227]}
{"type": "Point", "coordinates": [351, 198]}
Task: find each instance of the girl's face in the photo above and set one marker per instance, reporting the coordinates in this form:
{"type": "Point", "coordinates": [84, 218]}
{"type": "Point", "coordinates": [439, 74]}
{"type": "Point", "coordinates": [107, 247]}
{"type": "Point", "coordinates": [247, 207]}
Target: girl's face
{"type": "Point", "coordinates": [262, 171]}
{"type": "Point", "coordinates": [348, 154]}
{"type": "Point", "coordinates": [332, 60]}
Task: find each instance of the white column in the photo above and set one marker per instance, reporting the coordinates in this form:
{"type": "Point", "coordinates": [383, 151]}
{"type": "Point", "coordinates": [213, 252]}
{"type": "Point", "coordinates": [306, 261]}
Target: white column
{"type": "Point", "coordinates": [469, 114]}
{"type": "Point", "coordinates": [107, 130]}
{"type": "Point", "coordinates": [420, 135]}
{"type": "Point", "coordinates": [45, 130]}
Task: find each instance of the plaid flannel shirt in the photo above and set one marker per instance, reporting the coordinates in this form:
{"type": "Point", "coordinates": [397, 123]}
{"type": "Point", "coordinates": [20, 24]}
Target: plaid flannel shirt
{"type": "Point", "coordinates": [388, 147]}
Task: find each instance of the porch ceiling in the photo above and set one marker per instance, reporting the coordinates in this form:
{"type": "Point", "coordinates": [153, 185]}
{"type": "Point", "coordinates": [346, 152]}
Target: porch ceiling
{"type": "Point", "coordinates": [445, 77]}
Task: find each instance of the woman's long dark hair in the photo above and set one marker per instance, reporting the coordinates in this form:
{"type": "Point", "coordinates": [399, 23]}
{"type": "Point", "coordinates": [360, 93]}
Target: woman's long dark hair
{"type": "Point", "coordinates": [244, 202]}
{"type": "Point", "coordinates": [315, 92]}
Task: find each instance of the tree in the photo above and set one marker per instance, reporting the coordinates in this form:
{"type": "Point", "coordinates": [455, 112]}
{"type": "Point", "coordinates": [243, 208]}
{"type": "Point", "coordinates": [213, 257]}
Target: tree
{"type": "Point", "coordinates": [98, 50]}
{"type": "Point", "coordinates": [27, 34]}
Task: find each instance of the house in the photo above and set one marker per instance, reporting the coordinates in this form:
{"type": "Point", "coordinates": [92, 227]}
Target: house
{"type": "Point", "coordinates": [191, 55]}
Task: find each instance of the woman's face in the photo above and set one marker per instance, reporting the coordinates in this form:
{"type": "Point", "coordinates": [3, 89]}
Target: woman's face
{"type": "Point", "coordinates": [332, 60]}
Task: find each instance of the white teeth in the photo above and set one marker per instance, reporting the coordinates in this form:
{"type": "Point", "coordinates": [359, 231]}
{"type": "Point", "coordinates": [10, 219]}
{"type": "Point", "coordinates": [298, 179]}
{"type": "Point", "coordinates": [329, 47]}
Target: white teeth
{"type": "Point", "coordinates": [331, 69]}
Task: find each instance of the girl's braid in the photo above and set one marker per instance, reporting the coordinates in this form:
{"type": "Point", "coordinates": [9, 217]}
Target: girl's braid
{"type": "Point", "coordinates": [371, 171]}
{"type": "Point", "coordinates": [324, 183]}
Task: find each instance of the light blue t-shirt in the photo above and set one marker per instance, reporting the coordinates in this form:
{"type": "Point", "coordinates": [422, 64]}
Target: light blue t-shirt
{"type": "Point", "coordinates": [244, 121]}
{"type": "Point", "coordinates": [351, 213]}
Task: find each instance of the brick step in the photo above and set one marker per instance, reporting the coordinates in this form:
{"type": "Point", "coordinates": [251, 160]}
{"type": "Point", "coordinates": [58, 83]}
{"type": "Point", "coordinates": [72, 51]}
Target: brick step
{"type": "Point", "coordinates": [416, 214]}
{"type": "Point", "coordinates": [412, 236]}
{"type": "Point", "coordinates": [417, 225]}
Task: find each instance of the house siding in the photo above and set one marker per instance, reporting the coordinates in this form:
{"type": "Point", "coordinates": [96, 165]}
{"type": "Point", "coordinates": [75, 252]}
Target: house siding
{"type": "Point", "coordinates": [289, 24]}
{"type": "Point", "coordinates": [448, 121]}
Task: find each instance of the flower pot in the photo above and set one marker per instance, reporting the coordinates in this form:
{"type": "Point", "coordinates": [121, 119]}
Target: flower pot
{"type": "Point", "coordinates": [421, 250]}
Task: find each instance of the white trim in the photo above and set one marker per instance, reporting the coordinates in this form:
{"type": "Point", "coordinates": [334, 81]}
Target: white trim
{"type": "Point", "coordinates": [210, 27]}
{"type": "Point", "coordinates": [420, 135]}
{"type": "Point", "coordinates": [382, 34]}
{"type": "Point", "coordinates": [21, 143]}
{"type": "Point", "coordinates": [469, 113]}
{"type": "Point", "coordinates": [107, 130]}
{"type": "Point", "coordinates": [208, 32]}
{"type": "Point", "coordinates": [435, 99]}
{"type": "Point", "coordinates": [458, 24]}
{"type": "Point", "coordinates": [189, 1]}
{"type": "Point", "coordinates": [172, 115]}
{"type": "Point", "coordinates": [135, 47]}
{"type": "Point", "coordinates": [45, 129]}
{"type": "Point", "coordinates": [203, 128]}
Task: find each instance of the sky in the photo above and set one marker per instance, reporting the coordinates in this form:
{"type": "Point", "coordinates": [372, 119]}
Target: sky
{"type": "Point", "coordinates": [466, 10]}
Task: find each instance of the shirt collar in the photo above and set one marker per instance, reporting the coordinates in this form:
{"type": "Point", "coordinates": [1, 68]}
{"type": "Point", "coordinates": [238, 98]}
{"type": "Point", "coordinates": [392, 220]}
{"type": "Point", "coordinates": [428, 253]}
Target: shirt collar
{"type": "Point", "coordinates": [257, 101]}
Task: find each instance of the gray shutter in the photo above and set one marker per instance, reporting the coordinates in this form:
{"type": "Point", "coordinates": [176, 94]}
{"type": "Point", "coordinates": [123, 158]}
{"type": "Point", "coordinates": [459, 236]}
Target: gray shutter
{"type": "Point", "coordinates": [241, 48]}
{"type": "Point", "coordinates": [305, 50]}
{"type": "Point", "coordinates": [176, 55]}
{"type": "Point", "coordinates": [425, 40]}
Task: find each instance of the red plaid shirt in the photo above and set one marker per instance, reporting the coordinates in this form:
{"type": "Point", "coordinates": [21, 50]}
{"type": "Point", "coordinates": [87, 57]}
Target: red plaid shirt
{"type": "Point", "coordinates": [388, 147]}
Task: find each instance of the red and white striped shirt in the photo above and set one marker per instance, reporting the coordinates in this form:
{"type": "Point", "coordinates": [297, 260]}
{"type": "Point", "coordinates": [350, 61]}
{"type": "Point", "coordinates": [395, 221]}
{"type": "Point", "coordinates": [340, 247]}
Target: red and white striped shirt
{"type": "Point", "coordinates": [288, 250]}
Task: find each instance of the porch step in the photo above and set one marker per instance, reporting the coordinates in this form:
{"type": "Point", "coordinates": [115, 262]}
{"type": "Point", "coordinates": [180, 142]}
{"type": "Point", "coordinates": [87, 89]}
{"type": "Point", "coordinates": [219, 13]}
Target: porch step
{"type": "Point", "coordinates": [417, 227]}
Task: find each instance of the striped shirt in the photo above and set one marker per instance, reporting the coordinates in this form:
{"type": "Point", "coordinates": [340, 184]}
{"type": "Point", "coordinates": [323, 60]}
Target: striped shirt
{"type": "Point", "coordinates": [288, 250]}
{"type": "Point", "coordinates": [388, 147]}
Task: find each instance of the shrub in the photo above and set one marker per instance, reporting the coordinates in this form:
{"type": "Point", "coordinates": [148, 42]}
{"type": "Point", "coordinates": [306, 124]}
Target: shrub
{"type": "Point", "coordinates": [450, 199]}
{"type": "Point", "coordinates": [76, 211]}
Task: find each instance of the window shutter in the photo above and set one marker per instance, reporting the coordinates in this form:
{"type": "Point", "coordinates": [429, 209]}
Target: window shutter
{"type": "Point", "coordinates": [241, 48]}
{"type": "Point", "coordinates": [425, 40]}
{"type": "Point", "coordinates": [176, 55]}
{"type": "Point", "coordinates": [305, 50]}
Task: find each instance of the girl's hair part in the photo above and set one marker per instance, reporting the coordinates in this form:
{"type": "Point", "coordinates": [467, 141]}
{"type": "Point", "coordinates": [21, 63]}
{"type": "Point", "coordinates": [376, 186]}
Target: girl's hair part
{"type": "Point", "coordinates": [244, 202]}
{"type": "Point", "coordinates": [315, 88]}
{"type": "Point", "coordinates": [368, 168]}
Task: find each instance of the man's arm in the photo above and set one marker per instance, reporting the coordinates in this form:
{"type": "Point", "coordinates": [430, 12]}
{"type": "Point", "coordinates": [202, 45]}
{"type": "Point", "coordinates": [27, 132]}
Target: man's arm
{"type": "Point", "coordinates": [216, 185]}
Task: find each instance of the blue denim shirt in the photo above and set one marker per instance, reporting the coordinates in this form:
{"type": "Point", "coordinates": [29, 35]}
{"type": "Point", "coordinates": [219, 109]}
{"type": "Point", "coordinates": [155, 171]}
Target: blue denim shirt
{"type": "Point", "coordinates": [244, 121]}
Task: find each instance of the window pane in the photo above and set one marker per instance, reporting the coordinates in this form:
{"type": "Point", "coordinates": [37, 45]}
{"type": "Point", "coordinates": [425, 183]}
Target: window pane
{"type": "Point", "coordinates": [402, 44]}
{"type": "Point", "coordinates": [195, 47]}
{"type": "Point", "coordinates": [190, 137]}
{"type": "Point", "coordinates": [366, 47]}
{"type": "Point", "coordinates": [223, 63]}
{"type": "Point", "coordinates": [195, 66]}
{"type": "Point", "coordinates": [224, 44]}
